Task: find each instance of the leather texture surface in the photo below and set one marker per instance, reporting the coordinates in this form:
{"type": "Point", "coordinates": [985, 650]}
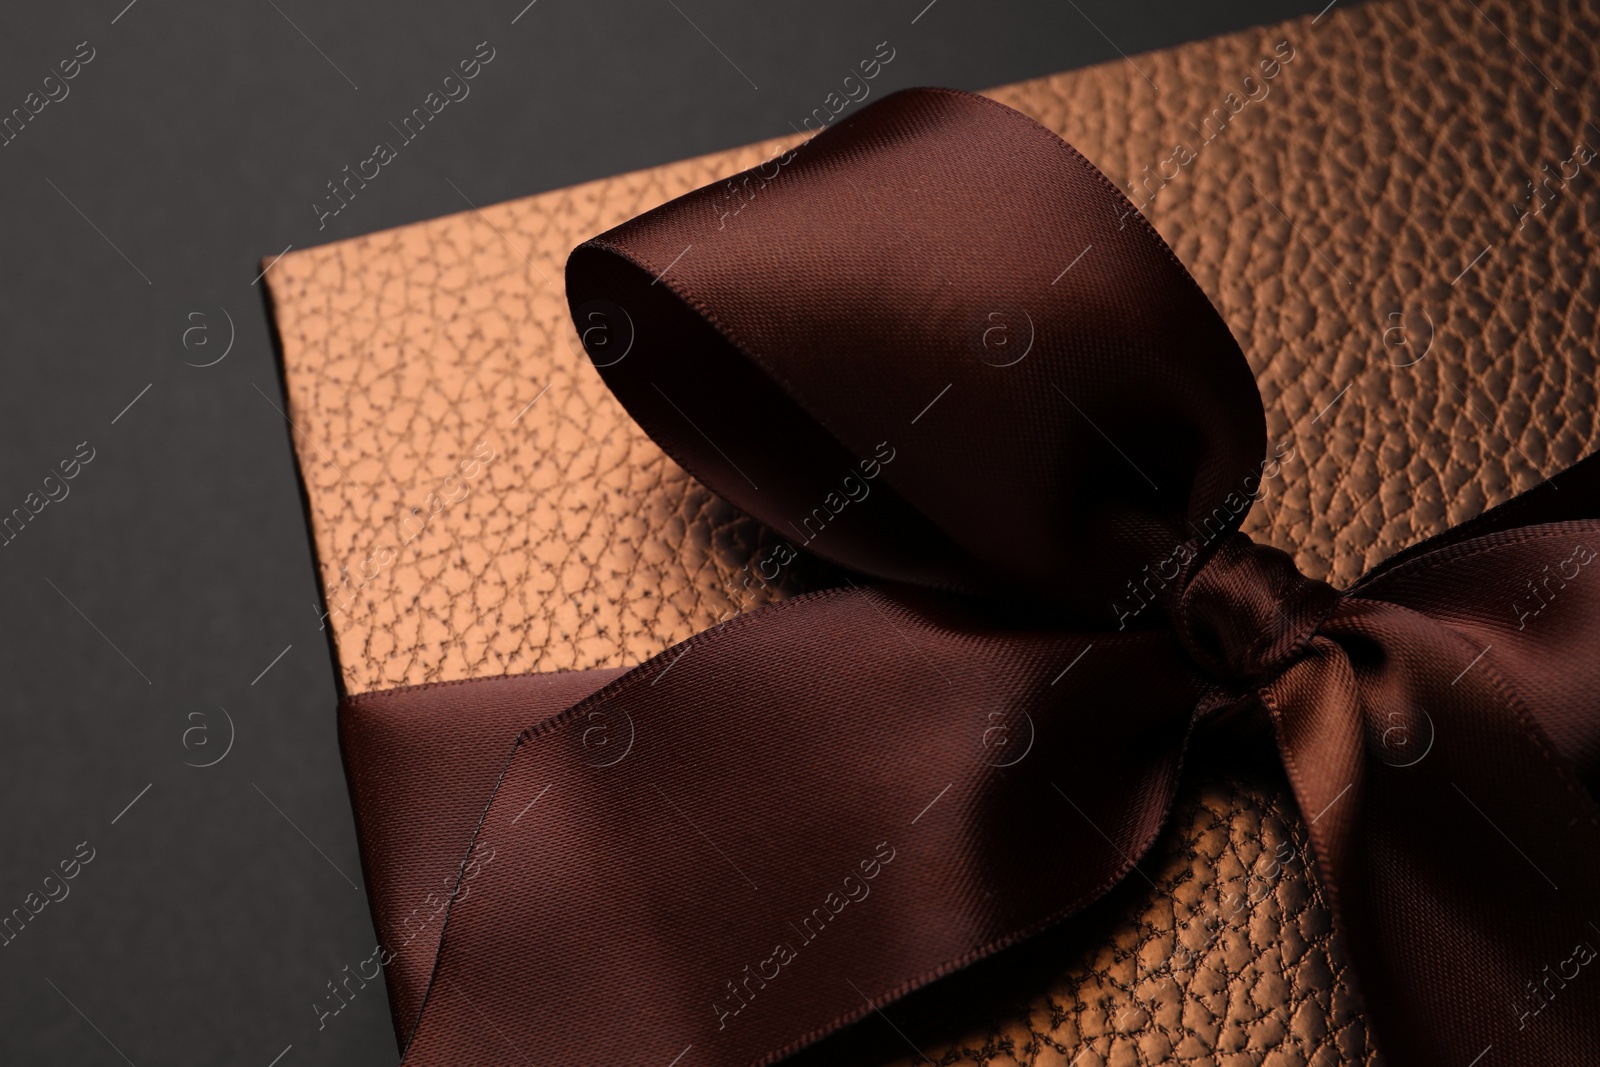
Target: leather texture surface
{"type": "Point", "coordinates": [1420, 320]}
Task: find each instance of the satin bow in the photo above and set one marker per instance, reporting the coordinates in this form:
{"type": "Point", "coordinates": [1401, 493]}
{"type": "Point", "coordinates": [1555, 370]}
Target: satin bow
{"type": "Point", "coordinates": [940, 349]}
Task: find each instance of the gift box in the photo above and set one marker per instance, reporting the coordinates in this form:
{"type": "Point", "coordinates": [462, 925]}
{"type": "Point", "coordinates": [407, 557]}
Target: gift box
{"type": "Point", "coordinates": [1387, 204]}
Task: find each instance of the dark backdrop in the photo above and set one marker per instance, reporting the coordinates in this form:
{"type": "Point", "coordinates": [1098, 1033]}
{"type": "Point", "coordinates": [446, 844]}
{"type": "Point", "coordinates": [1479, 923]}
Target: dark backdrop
{"type": "Point", "coordinates": [165, 603]}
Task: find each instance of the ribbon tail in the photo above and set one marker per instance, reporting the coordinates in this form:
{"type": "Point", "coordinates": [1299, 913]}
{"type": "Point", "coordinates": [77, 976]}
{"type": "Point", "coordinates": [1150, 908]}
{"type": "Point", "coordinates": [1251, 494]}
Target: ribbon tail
{"type": "Point", "coordinates": [746, 880]}
{"type": "Point", "coordinates": [420, 763]}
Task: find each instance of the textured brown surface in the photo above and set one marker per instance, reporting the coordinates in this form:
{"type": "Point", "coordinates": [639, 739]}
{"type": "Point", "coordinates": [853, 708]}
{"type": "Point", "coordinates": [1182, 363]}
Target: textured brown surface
{"type": "Point", "coordinates": [1225, 957]}
{"type": "Point", "coordinates": [1384, 159]}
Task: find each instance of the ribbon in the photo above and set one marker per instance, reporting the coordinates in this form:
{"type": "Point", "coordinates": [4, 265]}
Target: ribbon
{"type": "Point", "coordinates": [940, 349]}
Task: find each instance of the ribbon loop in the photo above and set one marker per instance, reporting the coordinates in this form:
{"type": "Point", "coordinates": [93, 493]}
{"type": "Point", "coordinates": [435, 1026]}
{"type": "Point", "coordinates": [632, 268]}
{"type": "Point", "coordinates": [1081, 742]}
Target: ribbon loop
{"type": "Point", "coordinates": [898, 290]}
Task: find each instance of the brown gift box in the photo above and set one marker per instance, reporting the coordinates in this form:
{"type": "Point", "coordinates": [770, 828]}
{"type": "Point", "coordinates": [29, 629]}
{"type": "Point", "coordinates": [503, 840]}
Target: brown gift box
{"type": "Point", "coordinates": [1378, 199]}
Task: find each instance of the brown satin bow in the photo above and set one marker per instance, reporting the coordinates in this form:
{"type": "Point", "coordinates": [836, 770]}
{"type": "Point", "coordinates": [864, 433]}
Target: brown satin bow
{"type": "Point", "coordinates": [940, 349]}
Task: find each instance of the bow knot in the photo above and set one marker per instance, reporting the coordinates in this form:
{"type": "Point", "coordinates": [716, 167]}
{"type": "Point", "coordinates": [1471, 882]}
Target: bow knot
{"type": "Point", "coordinates": [1246, 612]}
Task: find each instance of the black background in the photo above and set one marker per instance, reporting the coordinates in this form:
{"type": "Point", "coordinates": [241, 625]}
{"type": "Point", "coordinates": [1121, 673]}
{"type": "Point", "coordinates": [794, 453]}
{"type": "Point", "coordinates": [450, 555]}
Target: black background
{"type": "Point", "coordinates": [156, 594]}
